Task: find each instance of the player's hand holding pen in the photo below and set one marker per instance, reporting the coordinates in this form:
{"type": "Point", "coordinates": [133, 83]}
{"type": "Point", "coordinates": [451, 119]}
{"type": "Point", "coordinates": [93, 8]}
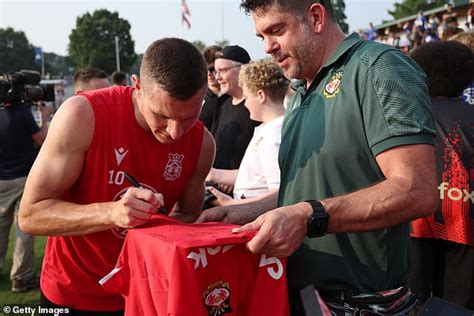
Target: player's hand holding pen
{"type": "Point", "coordinates": [136, 206]}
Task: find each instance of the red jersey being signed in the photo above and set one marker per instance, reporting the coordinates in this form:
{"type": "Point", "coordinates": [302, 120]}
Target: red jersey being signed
{"type": "Point", "coordinates": [171, 268]}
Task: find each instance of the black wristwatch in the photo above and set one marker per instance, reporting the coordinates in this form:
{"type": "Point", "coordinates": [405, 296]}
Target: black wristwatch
{"type": "Point", "coordinates": [318, 221]}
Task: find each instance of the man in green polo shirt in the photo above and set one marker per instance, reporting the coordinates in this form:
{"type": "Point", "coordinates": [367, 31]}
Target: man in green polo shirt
{"type": "Point", "coordinates": [357, 158]}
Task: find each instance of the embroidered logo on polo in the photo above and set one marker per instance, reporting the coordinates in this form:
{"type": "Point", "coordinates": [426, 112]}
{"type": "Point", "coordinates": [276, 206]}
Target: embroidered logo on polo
{"type": "Point", "coordinates": [333, 87]}
{"type": "Point", "coordinates": [217, 298]}
{"type": "Point", "coordinates": [173, 166]}
{"type": "Point", "coordinates": [120, 154]}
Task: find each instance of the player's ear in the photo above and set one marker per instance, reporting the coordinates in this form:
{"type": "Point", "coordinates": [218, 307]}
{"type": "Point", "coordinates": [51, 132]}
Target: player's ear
{"type": "Point", "coordinates": [136, 82]}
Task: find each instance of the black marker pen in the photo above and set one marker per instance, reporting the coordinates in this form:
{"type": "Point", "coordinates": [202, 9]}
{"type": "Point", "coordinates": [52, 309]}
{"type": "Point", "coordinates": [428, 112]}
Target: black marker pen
{"type": "Point", "coordinates": [136, 184]}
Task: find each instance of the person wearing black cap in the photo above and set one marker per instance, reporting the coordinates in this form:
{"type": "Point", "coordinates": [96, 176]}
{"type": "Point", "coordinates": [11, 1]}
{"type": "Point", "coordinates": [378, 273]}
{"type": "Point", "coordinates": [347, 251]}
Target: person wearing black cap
{"type": "Point", "coordinates": [234, 126]}
{"type": "Point", "coordinates": [213, 98]}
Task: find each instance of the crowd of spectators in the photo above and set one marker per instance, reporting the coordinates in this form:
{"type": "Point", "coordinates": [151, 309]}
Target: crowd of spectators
{"type": "Point", "coordinates": [423, 29]}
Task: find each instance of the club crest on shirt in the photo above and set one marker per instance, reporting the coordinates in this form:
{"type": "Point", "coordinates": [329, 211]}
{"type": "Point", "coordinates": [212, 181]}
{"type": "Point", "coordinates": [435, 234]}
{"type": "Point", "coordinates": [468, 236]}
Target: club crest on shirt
{"type": "Point", "coordinates": [173, 167]}
{"type": "Point", "coordinates": [217, 298]}
{"type": "Point", "coordinates": [332, 88]}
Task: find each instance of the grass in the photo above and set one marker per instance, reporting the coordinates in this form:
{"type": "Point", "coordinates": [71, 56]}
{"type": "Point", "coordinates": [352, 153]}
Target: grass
{"type": "Point", "coordinates": [7, 297]}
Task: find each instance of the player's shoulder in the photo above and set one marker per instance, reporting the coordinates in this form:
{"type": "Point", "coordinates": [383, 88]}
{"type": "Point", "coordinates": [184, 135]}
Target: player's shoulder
{"type": "Point", "coordinates": [76, 105]}
{"type": "Point", "coordinates": [208, 142]}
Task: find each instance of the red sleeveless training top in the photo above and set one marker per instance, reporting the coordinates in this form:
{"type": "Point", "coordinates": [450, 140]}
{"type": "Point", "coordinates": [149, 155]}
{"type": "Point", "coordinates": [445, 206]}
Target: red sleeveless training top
{"type": "Point", "coordinates": [73, 266]}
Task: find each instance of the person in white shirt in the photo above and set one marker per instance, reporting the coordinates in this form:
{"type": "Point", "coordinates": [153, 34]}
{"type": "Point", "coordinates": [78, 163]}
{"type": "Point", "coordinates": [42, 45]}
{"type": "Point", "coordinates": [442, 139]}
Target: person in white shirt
{"type": "Point", "coordinates": [264, 87]}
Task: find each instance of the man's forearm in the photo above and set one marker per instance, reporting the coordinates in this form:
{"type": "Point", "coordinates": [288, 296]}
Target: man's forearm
{"type": "Point", "coordinates": [266, 201]}
{"type": "Point", "coordinates": [408, 192]}
{"type": "Point", "coordinates": [258, 205]}
{"type": "Point", "coordinates": [60, 218]}
{"type": "Point", "coordinates": [223, 176]}
{"type": "Point", "coordinates": [386, 204]}
{"type": "Point", "coordinates": [185, 217]}
{"type": "Point", "coordinates": [242, 211]}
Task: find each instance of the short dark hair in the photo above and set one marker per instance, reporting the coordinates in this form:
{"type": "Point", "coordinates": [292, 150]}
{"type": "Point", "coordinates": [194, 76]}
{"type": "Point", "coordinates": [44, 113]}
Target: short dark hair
{"type": "Point", "coordinates": [176, 66]}
{"type": "Point", "coordinates": [85, 75]}
{"type": "Point", "coordinates": [297, 7]}
{"type": "Point", "coordinates": [449, 66]}
{"type": "Point", "coordinates": [118, 77]}
{"type": "Point", "coordinates": [209, 53]}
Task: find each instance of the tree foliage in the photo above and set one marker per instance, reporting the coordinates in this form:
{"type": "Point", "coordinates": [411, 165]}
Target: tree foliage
{"type": "Point", "coordinates": [199, 45]}
{"type": "Point", "coordinates": [411, 7]}
{"type": "Point", "coordinates": [92, 42]}
{"type": "Point", "coordinates": [339, 8]}
{"type": "Point", "coordinates": [16, 52]}
{"type": "Point", "coordinates": [56, 65]}
{"type": "Point", "coordinates": [222, 43]}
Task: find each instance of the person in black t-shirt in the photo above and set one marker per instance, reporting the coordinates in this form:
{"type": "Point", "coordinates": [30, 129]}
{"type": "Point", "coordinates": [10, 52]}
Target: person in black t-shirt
{"type": "Point", "coordinates": [214, 98]}
{"type": "Point", "coordinates": [234, 126]}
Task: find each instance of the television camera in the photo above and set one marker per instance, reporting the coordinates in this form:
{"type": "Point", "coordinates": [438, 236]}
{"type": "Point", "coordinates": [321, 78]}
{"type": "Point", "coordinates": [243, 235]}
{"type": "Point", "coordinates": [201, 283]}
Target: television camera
{"type": "Point", "coordinates": [23, 87]}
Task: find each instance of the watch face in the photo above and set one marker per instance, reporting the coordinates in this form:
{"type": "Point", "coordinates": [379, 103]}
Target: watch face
{"type": "Point", "coordinates": [318, 221]}
{"type": "Point", "coordinates": [318, 225]}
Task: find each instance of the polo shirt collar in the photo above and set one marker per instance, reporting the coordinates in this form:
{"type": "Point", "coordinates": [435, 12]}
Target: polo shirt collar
{"type": "Point", "coordinates": [296, 84]}
{"type": "Point", "coordinates": [346, 44]}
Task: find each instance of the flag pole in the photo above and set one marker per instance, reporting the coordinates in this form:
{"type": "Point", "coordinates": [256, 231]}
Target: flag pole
{"type": "Point", "coordinates": [117, 53]}
{"type": "Point", "coordinates": [222, 19]}
{"type": "Point", "coordinates": [182, 22]}
{"type": "Point", "coordinates": [42, 63]}
{"type": "Point", "coordinates": [185, 15]}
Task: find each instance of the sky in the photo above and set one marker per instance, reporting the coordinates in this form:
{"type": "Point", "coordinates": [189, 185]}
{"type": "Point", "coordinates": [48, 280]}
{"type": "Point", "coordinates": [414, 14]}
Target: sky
{"type": "Point", "coordinates": [47, 24]}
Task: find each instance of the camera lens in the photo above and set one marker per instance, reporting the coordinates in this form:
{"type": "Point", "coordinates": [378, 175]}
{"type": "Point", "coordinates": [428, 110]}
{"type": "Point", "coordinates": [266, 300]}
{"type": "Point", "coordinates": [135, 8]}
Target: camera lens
{"type": "Point", "coordinates": [34, 93]}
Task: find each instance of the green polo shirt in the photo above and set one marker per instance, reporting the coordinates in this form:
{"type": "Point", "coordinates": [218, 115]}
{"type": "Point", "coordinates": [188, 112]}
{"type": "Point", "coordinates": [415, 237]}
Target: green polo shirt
{"type": "Point", "coordinates": [367, 98]}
